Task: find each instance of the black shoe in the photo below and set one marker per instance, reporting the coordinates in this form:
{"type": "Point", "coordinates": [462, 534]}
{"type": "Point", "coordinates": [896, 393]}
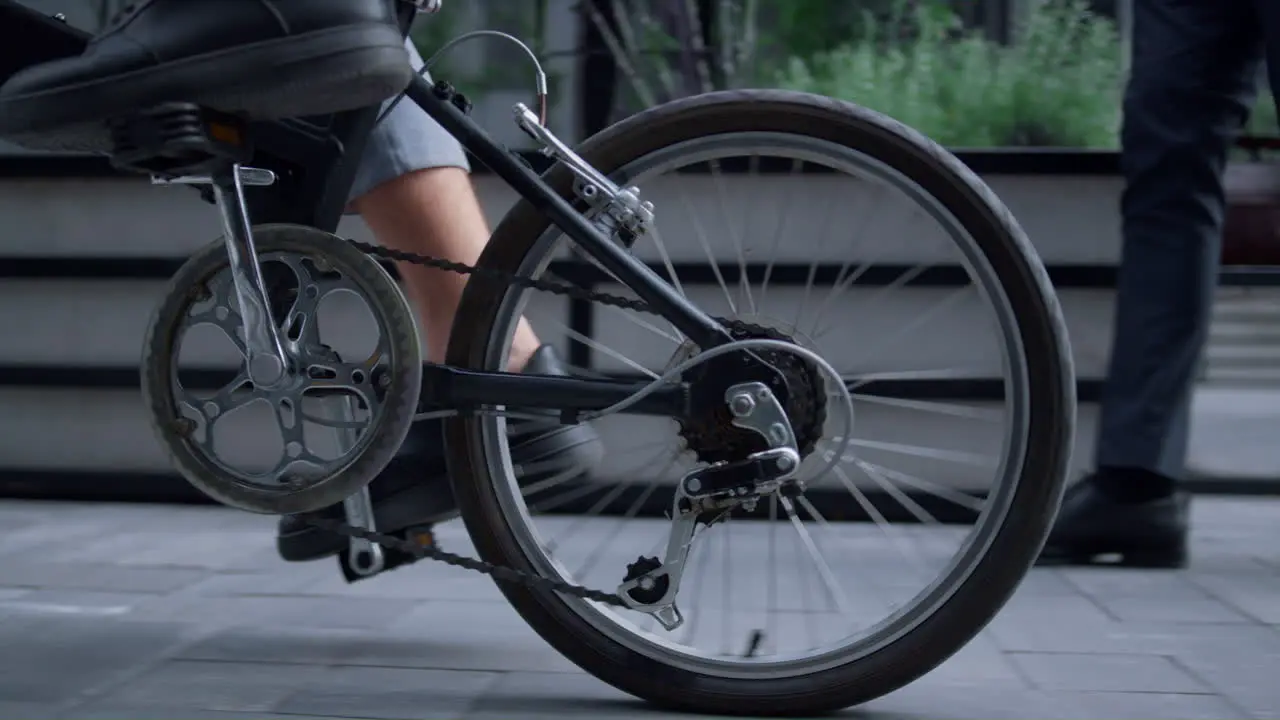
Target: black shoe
{"type": "Point", "coordinates": [414, 490]}
{"type": "Point", "coordinates": [1092, 526]}
{"type": "Point", "coordinates": [265, 59]}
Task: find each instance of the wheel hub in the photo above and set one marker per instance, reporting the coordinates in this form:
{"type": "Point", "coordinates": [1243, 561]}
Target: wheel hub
{"type": "Point", "coordinates": [710, 432]}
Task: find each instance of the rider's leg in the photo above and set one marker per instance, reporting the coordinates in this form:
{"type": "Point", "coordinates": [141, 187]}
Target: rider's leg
{"type": "Point", "coordinates": [413, 190]}
{"type": "Point", "coordinates": [432, 211]}
{"type": "Point", "coordinates": [1191, 83]}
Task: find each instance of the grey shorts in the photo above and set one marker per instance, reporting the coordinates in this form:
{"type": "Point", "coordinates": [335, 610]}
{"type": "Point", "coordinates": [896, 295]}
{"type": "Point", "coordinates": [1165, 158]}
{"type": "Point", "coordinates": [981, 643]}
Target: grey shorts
{"type": "Point", "coordinates": [405, 141]}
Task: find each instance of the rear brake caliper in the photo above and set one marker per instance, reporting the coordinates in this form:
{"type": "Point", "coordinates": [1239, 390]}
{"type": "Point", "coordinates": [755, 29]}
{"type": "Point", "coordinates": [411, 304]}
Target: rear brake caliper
{"type": "Point", "coordinates": [650, 586]}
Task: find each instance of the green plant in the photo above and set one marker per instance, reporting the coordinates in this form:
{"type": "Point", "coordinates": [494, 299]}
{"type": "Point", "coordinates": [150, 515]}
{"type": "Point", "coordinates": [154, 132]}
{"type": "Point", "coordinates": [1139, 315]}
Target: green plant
{"type": "Point", "coordinates": [1263, 120]}
{"type": "Point", "coordinates": [1058, 85]}
{"type": "Point", "coordinates": [504, 66]}
{"type": "Point", "coordinates": [666, 49]}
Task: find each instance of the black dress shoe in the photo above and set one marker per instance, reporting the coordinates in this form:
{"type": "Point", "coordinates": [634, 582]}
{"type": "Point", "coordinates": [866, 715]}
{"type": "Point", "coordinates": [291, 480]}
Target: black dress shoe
{"type": "Point", "coordinates": [414, 491]}
{"type": "Point", "coordinates": [1094, 528]}
{"type": "Point", "coordinates": [264, 59]}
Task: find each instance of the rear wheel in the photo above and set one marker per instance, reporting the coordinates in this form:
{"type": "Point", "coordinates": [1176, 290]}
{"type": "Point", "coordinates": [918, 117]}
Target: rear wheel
{"type": "Point", "coordinates": [874, 634]}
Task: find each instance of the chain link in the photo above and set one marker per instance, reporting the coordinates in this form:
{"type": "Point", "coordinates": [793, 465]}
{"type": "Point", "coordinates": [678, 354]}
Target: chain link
{"type": "Point", "coordinates": [556, 288]}
{"type": "Point", "coordinates": [498, 572]}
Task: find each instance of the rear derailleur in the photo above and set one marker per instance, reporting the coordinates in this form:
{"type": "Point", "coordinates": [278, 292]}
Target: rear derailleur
{"type": "Point", "coordinates": [650, 585]}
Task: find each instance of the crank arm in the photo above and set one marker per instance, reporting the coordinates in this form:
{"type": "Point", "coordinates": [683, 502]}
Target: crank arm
{"type": "Point", "coordinates": [364, 556]}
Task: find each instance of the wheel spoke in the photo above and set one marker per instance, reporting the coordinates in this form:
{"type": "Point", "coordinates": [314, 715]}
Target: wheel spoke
{"type": "Point", "coordinates": [711, 255]}
{"type": "Point", "coordinates": [953, 409]}
{"type": "Point", "coordinates": [834, 592]}
{"type": "Point", "coordinates": [744, 284]}
{"type": "Point", "coordinates": [783, 214]}
{"type": "Point", "coordinates": [906, 402]}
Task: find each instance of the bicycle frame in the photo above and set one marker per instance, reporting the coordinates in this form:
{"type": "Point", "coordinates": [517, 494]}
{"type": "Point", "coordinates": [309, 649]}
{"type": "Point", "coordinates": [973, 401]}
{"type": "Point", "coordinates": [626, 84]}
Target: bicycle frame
{"type": "Point", "coordinates": [474, 387]}
{"type": "Point", "coordinates": [316, 166]}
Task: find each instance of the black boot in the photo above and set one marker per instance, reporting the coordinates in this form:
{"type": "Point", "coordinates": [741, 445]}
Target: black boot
{"type": "Point", "coordinates": [1097, 520]}
{"type": "Point", "coordinates": [414, 491]}
{"type": "Point", "coordinates": [265, 59]}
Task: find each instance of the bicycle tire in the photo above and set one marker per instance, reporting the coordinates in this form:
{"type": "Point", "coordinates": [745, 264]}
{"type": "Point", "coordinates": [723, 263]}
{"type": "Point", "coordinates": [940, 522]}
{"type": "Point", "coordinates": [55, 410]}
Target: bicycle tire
{"type": "Point", "coordinates": [1016, 543]}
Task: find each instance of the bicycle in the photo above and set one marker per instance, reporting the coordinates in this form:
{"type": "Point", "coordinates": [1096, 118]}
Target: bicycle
{"type": "Point", "coordinates": [750, 398]}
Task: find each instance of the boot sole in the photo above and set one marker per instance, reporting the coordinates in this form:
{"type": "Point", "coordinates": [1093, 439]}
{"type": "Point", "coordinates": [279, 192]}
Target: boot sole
{"type": "Point", "coordinates": [317, 73]}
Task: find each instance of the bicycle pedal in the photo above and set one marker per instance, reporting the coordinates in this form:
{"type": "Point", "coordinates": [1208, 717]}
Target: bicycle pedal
{"type": "Point", "coordinates": [423, 536]}
{"type": "Point", "coordinates": [392, 557]}
{"type": "Point", "coordinates": [179, 139]}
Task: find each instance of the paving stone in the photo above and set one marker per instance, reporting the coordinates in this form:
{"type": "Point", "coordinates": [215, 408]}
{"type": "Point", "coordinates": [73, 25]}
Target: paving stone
{"type": "Point", "coordinates": [27, 711]}
{"type": "Point", "coordinates": [112, 578]}
{"type": "Point", "coordinates": [312, 646]}
{"type": "Point", "coordinates": [219, 686]}
{"type": "Point", "coordinates": [1174, 610]}
{"type": "Point", "coordinates": [925, 701]}
{"type": "Point", "coordinates": [90, 603]}
{"type": "Point", "coordinates": [1043, 632]}
{"type": "Point", "coordinates": [46, 660]}
{"type": "Point", "coordinates": [932, 701]}
{"type": "Point", "coordinates": [1045, 581]}
{"type": "Point", "coordinates": [288, 611]}
{"type": "Point", "coordinates": [1260, 602]}
{"type": "Point", "coordinates": [549, 696]}
{"type": "Point", "coordinates": [133, 627]}
{"type": "Point", "coordinates": [89, 598]}
{"type": "Point", "coordinates": [1193, 638]}
{"type": "Point", "coordinates": [125, 712]}
{"type": "Point", "coordinates": [1132, 673]}
{"type": "Point", "coordinates": [292, 580]}
{"type": "Point", "coordinates": [46, 536]}
{"type": "Point", "coordinates": [1154, 706]}
{"type": "Point", "coordinates": [391, 693]}
{"type": "Point", "coordinates": [1063, 609]}
{"type": "Point", "coordinates": [1249, 678]}
{"type": "Point", "coordinates": [1125, 638]}
{"type": "Point", "coordinates": [979, 662]}
{"type": "Point", "coordinates": [464, 636]}
{"type": "Point", "coordinates": [1113, 583]}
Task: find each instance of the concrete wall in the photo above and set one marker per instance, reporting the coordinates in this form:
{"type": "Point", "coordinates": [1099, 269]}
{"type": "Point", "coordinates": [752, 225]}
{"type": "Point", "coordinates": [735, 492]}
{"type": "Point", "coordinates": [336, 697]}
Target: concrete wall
{"type": "Point", "coordinates": [100, 323]}
{"type": "Point", "coordinates": [93, 324]}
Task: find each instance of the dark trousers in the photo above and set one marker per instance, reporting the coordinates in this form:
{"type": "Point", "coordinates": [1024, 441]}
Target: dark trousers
{"type": "Point", "coordinates": [1194, 70]}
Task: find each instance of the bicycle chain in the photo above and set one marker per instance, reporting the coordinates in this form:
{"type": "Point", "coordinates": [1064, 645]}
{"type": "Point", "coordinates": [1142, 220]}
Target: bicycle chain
{"type": "Point", "coordinates": [498, 572]}
{"type": "Point", "coordinates": [556, 288]}
{"type": "Point", "coordinates": [420, 552]}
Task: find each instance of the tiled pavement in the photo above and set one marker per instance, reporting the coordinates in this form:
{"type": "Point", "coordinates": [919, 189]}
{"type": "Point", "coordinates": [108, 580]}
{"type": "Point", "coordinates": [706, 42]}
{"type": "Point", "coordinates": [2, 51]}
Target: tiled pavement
{"type": "Point", "coordinates": [160, 612]}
